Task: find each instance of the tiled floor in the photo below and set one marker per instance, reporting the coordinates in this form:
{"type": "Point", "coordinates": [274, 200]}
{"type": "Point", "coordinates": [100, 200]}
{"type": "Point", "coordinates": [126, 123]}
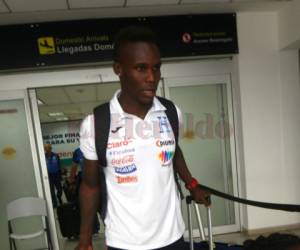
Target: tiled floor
{"type": "Point", "coordinates": [233, 238]}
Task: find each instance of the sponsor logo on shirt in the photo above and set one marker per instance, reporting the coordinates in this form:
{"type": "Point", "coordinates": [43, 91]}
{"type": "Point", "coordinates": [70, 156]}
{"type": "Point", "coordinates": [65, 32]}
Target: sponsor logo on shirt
{"type": "Point", "coordinates": [116, 129]}
{"type": "Point", "coordinates": [118, 144]}
{"type": "Point", "coordinates": [126, 179]}
{"type": "Point", "coordinates": [127, 159]}
{"type": "Point", "coordinates": [160, 143]}
{"type": "Point", "coordinates": [121, 152]}
{"type": "Point", "coordinates": [126, 169]}
{"type": "Point", "coordinates": [165, 156]}
{"type": "Point", "coordinates": [163, 124]}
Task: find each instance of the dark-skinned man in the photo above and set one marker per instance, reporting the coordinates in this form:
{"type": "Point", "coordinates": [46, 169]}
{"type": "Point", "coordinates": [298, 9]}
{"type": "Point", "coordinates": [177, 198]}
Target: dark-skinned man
{"type": "Point", "coordinates": [143, 209]}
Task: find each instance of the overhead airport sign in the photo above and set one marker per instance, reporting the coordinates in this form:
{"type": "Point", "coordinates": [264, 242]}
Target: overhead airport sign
{"type": "Point", "coordinates": [91, 41]}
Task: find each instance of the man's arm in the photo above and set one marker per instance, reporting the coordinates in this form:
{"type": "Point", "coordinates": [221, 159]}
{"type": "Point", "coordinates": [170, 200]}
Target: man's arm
{"type": "Point", "coordinates": [181, 168]}
{"type": "Point", "coordinates": [73, 172]}
{"type": "Point", "coordinates": [89, 203]}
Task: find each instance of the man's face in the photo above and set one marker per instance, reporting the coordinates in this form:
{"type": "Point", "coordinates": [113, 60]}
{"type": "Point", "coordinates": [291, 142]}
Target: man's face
{"type": "Point", "coordinates": [139, 70]}
{"type": "Point", "coordinates": [48, 148]}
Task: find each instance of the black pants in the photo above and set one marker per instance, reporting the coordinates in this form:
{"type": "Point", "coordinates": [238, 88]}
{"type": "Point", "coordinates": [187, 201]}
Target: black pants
{"type": "Point", "coordinates": [54, 180]}
{"type": "Point", "coordinates": [177, 245]}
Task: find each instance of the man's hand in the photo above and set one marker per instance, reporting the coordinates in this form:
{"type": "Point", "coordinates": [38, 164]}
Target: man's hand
{"type": "Point", "coordinates": [200, 196]}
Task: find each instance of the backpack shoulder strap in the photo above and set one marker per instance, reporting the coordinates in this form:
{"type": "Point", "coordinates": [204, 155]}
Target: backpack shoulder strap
{"type": "Point", "coordinates": [102, 125]}
{"type": "Point", "coordinates": [172, 115]}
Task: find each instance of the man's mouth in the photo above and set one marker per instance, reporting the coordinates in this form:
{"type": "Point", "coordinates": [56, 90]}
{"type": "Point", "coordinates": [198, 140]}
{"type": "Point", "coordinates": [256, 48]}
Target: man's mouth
{"type": "Point", "coordinates": [149, 92]}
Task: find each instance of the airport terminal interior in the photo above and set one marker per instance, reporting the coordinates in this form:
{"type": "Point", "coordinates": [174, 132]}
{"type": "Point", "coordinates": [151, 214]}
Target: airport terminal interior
{"type": "Point", "coordinates": [231, 66]}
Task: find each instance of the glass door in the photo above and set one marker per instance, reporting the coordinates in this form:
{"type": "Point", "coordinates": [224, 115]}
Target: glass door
{"type": "Point", "coordinates": [207, 140]}
{"type": "Point", "coordinates": [19, 171]}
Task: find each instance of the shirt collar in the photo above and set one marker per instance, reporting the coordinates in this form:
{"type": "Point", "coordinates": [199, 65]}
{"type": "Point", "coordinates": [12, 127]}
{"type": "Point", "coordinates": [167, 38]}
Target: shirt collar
{"type": "Point", "coordinates": [117, 109]}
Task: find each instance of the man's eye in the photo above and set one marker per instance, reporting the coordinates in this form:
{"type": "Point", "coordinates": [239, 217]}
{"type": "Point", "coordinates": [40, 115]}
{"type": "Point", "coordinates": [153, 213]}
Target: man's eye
{"type": "Point", "coordinates": [141, 68]}
{"type": "Point", "coordinates": [156, 68]}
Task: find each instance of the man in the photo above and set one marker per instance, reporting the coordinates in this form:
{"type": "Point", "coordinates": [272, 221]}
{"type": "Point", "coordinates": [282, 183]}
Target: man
{"type": "Point", "coordinates": [54, 174]}
{"type": "Point", "coordinates": [143, 210]}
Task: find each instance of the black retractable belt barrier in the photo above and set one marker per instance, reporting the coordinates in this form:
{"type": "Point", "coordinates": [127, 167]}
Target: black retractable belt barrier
{"type": "Point", "coordinates": [212, 245]}
{"type": "Point", "coordinates": [275, 206]}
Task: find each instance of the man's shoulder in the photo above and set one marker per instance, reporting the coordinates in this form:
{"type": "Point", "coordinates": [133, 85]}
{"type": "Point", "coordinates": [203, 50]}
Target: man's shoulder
{"type": "Point", "coordinates": [78, 152]}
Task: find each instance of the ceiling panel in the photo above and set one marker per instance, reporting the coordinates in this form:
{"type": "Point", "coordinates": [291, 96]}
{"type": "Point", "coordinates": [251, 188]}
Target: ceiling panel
{"type": "Point", "coordinates": [106, 91]}
{"type": "Point", "coordinates": [3, 8]}
{"type": "Point", "coordinates": [51, 96]}
{"type": "Point", "coordinates": [36, 5]}
{"type": "Point", "coordinates": [150, 2]}
{"type": "Point", "coordinates": [95, 3]}
{"type": "Point", "coordinates": [87, 108]}
{"type": "Point", "coordinates": [77, 94]}
{"type": "Point", "coordinates": [70, 111]}
{"type": "Point", "coordinates": [205, 1]}
{"type": "Point", "coordinates": [75, 102]}
{"type": "Point", "coordinates": [255, 1]}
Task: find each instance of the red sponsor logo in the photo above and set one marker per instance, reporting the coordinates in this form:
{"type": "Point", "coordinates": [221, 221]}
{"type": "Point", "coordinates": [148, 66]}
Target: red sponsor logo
{"type": "Point", "coordinates": [126, 179]}
{"type": "Point", "coordinates": [186, 37]}
{"type": "Point", "coordinates": [126, 160]}
{"type": "Point", "coordinates": [118, 144]}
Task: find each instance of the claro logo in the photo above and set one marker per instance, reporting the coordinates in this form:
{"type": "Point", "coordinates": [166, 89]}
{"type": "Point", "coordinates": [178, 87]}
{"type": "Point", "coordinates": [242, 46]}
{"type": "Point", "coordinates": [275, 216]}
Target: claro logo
{"type": "Point", "coordinates": [160, 143]}
{"type": "Point", "coordinates": [118, 144]}
{"type": "Point", "coordinates": [123, 161]}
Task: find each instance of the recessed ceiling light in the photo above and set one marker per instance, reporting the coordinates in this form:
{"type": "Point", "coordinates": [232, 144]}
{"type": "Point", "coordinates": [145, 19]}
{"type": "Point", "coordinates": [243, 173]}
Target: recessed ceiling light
{"type": "Point", "coordinates": [61, 118]}
{"type": "Point", "coordinates": [53, 114]}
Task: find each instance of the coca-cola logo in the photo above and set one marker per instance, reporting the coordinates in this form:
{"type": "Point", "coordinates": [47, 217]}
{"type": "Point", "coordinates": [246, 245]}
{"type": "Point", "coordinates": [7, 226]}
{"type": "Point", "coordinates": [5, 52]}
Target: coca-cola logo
{"type": "Point", "coordinates": [123, 160]}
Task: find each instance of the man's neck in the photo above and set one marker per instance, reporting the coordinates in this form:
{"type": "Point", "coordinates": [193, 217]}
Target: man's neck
{"type": "Point", "coordinates": [131, 107]}
{"type": "Point", "coordinates": [48, 154]}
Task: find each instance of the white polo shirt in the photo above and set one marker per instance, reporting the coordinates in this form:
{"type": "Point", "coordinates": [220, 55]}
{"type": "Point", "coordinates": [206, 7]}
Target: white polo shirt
{"type": "Point", "coordinates": [143, 210]}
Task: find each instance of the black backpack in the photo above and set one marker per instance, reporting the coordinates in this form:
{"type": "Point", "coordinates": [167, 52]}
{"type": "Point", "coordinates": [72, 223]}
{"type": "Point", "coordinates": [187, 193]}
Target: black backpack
{"type": "Point", "coordinates": [102, 126]}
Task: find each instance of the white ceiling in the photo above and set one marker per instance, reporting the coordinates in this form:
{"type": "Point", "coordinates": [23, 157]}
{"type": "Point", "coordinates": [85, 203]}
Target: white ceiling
{"type": "Point", "coordinates": [28, 11]}
{"type": "Point", "coordinates": [75, 102]}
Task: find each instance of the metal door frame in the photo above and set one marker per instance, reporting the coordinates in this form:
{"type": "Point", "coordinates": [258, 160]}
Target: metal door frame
{"type": "Point", "coordinates": [23, 95]}
{"type": "Point", "coordinates": [198, 80]}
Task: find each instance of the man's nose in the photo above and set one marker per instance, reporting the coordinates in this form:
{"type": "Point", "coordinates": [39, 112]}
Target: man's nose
{"type": "Point", "coordinates": [150, 75]}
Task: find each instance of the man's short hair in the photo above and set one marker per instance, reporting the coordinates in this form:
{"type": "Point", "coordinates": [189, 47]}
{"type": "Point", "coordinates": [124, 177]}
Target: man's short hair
{"type": "Point", "coordinates": [275, 241]}
{"type": "Point", "coordinates": [132, 34]}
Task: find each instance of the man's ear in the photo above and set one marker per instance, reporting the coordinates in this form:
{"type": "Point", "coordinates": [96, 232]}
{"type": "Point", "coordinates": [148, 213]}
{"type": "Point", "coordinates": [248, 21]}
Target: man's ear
{"type": "Point", "coordinates": [117, 68]}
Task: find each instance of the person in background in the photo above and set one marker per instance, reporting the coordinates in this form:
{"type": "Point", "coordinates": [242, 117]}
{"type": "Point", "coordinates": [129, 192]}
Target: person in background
{"type": "Point", "coordinates": [54, 174]}
{"type": "Point", "coordinates": [76, 169]}
{"type": "Point", "coordinates": [143, 209]}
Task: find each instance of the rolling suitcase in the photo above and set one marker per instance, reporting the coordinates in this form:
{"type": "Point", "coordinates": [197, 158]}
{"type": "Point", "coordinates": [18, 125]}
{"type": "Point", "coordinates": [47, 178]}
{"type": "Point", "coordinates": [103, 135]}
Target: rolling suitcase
{"type": "Point", "coordinates": [70, 191]}
{"type": "Point", "coordinates": [206, 242]}
{"type": "Point", "coordinates": [69, 219]}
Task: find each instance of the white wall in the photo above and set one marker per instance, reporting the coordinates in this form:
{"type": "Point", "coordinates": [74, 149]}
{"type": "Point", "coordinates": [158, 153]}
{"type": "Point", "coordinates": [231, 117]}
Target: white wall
{"type": "Point", "coordinates": [289, 32]}
{"type": "Point", "coordinates": [290, 103]}
{"type": "Point", "coordinates": [265, 91]}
